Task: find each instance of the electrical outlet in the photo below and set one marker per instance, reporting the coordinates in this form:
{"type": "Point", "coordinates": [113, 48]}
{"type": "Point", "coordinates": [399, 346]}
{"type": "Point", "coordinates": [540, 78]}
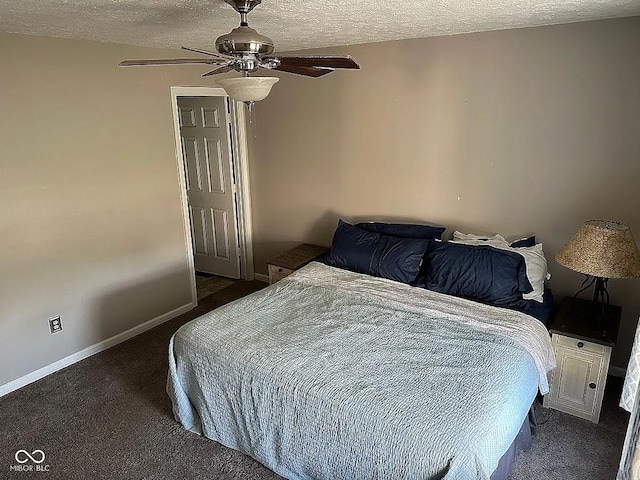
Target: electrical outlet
{"type": "Point", "coordinates": [55, 324]}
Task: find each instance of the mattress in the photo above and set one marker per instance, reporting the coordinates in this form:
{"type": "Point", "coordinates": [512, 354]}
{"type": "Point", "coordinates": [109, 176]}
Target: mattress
{"type": "Point", "coordinates": [330, 374]}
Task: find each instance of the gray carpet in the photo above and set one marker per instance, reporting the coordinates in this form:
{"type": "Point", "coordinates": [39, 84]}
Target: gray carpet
{"type": "Point", "coordinates": [109, 417]}
{"type": "Point", "coordinates": [567, 447]}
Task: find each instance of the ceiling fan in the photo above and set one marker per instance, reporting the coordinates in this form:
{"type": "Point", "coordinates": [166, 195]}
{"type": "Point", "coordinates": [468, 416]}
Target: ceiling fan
{"type": "Point", "coordinates": [245, 50]}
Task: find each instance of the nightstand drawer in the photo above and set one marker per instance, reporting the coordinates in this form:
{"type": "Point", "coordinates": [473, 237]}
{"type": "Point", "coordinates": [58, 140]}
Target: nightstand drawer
{"type": "Point", "coordinates": [291, 260]}
{"type": "Point", "coordinates": [578, 344]}
{"type": "Point", "coordinates": [278, 273]}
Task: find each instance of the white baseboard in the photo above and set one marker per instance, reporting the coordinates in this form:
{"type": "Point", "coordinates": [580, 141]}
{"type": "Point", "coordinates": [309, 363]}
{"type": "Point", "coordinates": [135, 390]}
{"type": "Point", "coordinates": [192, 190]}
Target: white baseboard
{"type": "Point", "coordinates": [261, 277]}
{"type": "Point", "coordinates": [617, 371]}
{"type": "Point", "coordinates": [93, 349]}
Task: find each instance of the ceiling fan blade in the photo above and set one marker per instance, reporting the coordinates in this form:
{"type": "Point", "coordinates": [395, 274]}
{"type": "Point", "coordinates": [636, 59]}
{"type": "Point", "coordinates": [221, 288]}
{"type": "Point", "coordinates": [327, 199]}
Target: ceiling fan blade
{"type": "Point", "coordinates": [301, 70]}
{"type": "Point", "coordinates": [206, 52]}
{"type": "Point", "coordinates": [331, 61]}
{"type": "Point", "coordinates": [169, 61]}
{"type": "Point", "coordinates": [224, 69]}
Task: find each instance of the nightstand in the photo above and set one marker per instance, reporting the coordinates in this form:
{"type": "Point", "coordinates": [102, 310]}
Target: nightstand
{"type": "Point", "coordinates": [292, 260]}
{"type": "Point", "coordinates": [576, 386]}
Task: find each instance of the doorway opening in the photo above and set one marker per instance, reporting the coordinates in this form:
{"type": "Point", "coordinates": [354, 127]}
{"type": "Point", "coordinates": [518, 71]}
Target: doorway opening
{"type": "Point", "coordinates": [212, 158]}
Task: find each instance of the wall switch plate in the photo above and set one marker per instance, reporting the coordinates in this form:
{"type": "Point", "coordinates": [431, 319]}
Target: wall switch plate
{"type": "Point", "coordinates": [55, 324]}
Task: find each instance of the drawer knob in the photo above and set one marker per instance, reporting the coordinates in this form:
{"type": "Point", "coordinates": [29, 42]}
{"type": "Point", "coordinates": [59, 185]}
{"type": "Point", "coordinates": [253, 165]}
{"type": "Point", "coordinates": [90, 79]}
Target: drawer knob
{"type": "Point", "coordinates": [580, 344]}
{"type": "Point", "coordinates": [279, 269]}
{"type": "Point", "coordinates": [592, 385]}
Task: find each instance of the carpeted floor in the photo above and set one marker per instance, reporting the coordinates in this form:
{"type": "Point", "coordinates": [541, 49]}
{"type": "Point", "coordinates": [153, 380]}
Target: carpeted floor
{"type": "Point", "coordinates": [109, 417]}
{"type": "Point", "coordinates": [567, 447]}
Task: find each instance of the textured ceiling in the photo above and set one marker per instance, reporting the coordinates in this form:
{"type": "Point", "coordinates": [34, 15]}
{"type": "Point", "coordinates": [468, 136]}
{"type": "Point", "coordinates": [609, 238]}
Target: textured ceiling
{"type": "Point", "coordinates": [292, 24]}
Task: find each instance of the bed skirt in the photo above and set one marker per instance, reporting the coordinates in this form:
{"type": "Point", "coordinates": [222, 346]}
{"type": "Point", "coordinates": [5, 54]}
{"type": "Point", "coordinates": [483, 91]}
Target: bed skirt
{"type": "Point", "coordinates": [521, 442]}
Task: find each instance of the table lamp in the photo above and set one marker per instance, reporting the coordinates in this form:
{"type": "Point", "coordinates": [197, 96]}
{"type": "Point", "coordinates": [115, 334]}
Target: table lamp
{"type": "Point", "coordinates": [601, 249]}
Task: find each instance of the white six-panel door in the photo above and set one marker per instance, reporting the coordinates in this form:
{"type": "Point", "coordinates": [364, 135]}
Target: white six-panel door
{"type": "Point", "coordinates": [205, 134]}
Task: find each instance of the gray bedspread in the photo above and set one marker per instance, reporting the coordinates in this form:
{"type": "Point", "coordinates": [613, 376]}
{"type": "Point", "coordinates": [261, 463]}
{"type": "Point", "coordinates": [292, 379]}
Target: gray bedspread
{"type": "Point", "coordinates": [330, 374]}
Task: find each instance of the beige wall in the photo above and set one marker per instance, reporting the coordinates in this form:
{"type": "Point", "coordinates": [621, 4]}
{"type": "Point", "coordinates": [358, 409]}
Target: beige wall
{"type": "Point", "coordinates": [90, 225]}
{"type": "Point", "coordinates": [517, 132]}
{"type": "Point", "coordinates": [527, 131]}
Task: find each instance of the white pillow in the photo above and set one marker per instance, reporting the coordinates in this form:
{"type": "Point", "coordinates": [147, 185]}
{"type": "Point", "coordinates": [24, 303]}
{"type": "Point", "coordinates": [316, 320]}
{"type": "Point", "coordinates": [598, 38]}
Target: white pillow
{"type": "Point", "coordinates": [537, 273]}
{"type": "Point", "coordinates": [534, 259]}
{"type": "Point", "coordinates": [470, 237]}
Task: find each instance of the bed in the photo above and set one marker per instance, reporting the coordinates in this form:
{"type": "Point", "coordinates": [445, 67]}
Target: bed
{"type": "Point", "coordinates": [335, 374]}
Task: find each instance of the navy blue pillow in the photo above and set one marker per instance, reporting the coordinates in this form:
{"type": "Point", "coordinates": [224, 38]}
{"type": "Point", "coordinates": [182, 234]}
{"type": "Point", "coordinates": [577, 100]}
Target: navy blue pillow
{"type": "Point", "coordinates": [542, 311]}
{"type": "Point", "coordinates": [477, 272]}
{"type": "Point", "coordinates": [399, 259]}
{"type": "Point", "coordinates": [403, 230]}
{"type": "Point", "coordinates": [378, 255]}
{"type": "Point", "coordinates": [353, 249]}
{"type": "Point", "coordinates": [524, 242]}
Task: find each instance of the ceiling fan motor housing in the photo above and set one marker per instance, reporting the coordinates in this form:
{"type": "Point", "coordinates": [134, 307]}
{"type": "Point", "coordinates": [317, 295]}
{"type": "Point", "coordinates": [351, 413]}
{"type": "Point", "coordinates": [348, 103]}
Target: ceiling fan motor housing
{"type": "Point", "coordinates": [244, 40]}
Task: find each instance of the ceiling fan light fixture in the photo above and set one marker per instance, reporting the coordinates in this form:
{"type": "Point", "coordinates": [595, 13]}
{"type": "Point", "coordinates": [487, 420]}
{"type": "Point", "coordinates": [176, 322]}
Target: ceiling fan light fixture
{"type": "Point", "coordinates": [247, 89]}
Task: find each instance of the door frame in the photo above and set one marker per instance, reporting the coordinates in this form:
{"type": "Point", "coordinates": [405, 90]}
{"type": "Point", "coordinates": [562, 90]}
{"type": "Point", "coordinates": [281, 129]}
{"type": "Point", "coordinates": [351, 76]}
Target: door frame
{"type": "Point", "coordinates": [240, 164]}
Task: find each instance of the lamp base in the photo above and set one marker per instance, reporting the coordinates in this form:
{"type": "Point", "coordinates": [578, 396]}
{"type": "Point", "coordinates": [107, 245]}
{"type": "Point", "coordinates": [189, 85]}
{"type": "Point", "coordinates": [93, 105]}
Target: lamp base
{"type": "Point", "coordinates": [600, 300]}
{"type": "Point", "coordinates": [574, 316]}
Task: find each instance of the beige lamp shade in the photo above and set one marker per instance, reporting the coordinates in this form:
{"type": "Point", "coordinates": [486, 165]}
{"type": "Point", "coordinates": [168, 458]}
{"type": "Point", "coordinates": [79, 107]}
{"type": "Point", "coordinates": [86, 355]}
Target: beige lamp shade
{"type": "Point", "coordinates": [247, 89]}
{"type": "Point", "coordinates": [602, 248]}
